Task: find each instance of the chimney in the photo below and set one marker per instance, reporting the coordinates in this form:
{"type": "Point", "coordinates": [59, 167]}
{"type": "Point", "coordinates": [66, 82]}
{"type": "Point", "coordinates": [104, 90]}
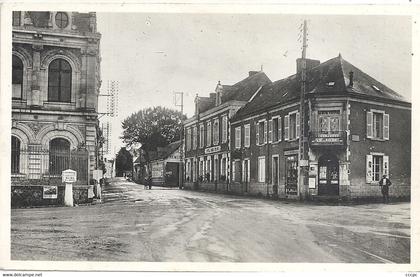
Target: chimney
{"type": "Point", "coordinates": [196, 105]}
{"type": "Point", "coordinates": [219, 91]}
{"type": "Point", "coordinates": [309, 64]}
{"type": "Point", "coordinates": [351, 79]}
{"type": "Point", "coordinates": [250, 73]}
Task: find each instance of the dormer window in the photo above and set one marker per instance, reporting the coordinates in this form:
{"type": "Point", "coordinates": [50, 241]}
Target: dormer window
{"type": "Point", "coordinates": [61, 20]}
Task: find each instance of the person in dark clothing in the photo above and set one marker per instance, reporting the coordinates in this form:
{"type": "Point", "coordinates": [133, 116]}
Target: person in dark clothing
{"type": "Point", "coordinates": [149, 181]}
{"type": "Point", "coordinates": [384, 183]}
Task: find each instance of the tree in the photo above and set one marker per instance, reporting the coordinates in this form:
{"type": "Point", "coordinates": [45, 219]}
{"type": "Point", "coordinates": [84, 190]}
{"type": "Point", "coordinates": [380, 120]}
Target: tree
{"type": "Point", "coordinates": [123, 162]}
{"type": "Point", "coordinates": [152, 128]}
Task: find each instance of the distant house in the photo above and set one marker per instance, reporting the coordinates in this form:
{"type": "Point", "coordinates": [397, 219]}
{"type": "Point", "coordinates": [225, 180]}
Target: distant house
{"type": "Point", "coordinates": [164, 165]}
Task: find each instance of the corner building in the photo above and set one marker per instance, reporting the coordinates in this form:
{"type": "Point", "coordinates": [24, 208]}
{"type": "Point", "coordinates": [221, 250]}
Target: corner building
{"type": "Point", "coordinates": [356, 130]}
{"type": "Point", "coordinates": [55, 87]}
{"type": "Point", "coordinates": [207, 138]}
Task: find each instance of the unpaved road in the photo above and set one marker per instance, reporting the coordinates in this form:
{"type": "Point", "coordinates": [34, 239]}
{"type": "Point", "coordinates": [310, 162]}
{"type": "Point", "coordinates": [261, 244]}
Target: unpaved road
{"type": "Point", "coordinates": [162, 225]}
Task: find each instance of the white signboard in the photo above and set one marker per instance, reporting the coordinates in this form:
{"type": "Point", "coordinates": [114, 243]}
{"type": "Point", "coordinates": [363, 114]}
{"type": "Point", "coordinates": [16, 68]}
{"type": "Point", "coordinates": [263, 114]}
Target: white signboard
{"type": "Point", "coordinates": [97, 174]}
{"type": "Point", "coordinates": [50, 192]}
{"type": "Point", "coordinates": [312, 183]}
{"type": "Point", "coordinates": [157, 170]}
{"type": "Point", "coordinates": [212, 149]}
{"type": "Point", "coordinates": [69, 176]}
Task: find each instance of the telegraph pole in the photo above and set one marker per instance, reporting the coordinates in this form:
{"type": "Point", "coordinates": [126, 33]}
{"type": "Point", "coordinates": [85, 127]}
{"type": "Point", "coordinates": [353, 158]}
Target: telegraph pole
{"type": "Point", "coordinates": [303, 140]}
{"type": "Point", "coordinates": [181, 149]}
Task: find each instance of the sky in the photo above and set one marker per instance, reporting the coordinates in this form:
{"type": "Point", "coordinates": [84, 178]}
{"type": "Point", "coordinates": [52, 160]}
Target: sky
{"type": "Point", "coordinates": [153, 55]}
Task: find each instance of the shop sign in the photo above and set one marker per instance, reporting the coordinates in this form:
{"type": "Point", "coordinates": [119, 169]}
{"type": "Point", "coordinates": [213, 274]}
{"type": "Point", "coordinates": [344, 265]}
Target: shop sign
{"type": "Point", "coordinates": [312, 183]}
{"type": "Point", "coordinates": [212, 149]}
{"type": "Point", "coordinates": [69, 176]}
{"type": "Point", "coordinates": [327, 140]}
{"type": "Point", "coordinates": [49, 192]}
{"type": "Point", "coordinates": [97, 174]}
{"type": "Point", "coordinates": [157, 170]}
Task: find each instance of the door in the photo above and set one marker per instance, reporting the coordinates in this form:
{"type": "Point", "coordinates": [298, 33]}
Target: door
{"type": "Point", "coordinates": [291, 174]}
{"type": "Point", "coordinates": [328, 175]}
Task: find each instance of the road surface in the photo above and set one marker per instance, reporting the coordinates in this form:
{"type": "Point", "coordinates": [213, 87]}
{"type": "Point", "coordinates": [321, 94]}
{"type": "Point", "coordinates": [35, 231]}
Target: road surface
{"type": "Point", "coordinates": [167, 225]}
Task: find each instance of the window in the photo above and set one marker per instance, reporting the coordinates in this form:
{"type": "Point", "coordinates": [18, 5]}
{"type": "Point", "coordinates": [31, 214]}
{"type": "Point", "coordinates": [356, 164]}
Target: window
{"type": "Point", "coordinates": [61, 19]}
{"type": "Point", "coordinates": [247, 135]}
{"type": "Point", "coordinates": [59, 155]}
{"type": "Point", "coordinates": [377, 125]}
{"type": "Point", "coordinates": [224, 128]}
{"type": "Point", "coordinates": [236, 171]}
{"type": "Point", "coordinates": [238, 137]}
{"type": "Point", "coordinates": [261, 132]}
{"type": "Point", "coordinates": [59, 81]}
{"type": "Point", "coordinates": [292, 126]}
{"type": "Point", "coordinates": [194, 137]}
{"type": "Point", "coordinates": [15, 159]}
{"type": "Point", "coordinates": [376, 166]}
{"type": "Point", "coordinates": [329, 122]}
{"type": "Point", "coordinates": [261, 169]}
{"type": "Point", "coordinates": [216, 132]}
{"type": "Point", "coordinates": [209, 133]}
{"type": "Point", "coordinates": [276, 129]}
{"type": "Point", "coordinates": [17, 77]}
{"type": "Point", "coordinates": [188, 139]}
{"type": "Point", "coordinates": [201, 135]}
{"type": "Point", "coordinates": [16, 19]}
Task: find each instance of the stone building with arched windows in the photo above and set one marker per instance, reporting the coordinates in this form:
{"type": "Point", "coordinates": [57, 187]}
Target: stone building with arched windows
{"type": "Point", "coordinates": [55, 87]}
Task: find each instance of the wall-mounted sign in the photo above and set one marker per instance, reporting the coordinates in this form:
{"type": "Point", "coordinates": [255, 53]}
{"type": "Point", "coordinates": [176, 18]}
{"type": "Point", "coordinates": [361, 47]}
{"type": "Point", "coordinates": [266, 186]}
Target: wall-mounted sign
{"type": "Point", "coordinates": [50, 192]}
{"type": "Point", "coordinates": [69, 176]}
{"type": "Point", "coordinates": [327, 141]}
{"type": "Point", "coordinates": [312, 183]}
{"type": "Point", "coordinates": [97, 174]}
{"type": "Point", "coordinates": [157, 170]}
{"type": "Point", "coordinates": [212, 149]}
{"type": "Point", "coordinates": [355, 138]}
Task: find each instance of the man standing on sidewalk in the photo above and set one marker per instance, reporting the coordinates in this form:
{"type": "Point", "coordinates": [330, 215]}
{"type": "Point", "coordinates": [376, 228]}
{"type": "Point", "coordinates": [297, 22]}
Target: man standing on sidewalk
{"type": "Point", "coordinates": [384, 183]}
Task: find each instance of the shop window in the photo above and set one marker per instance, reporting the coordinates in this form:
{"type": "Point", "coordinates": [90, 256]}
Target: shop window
{"type": "Point", "coordinates": [61, 20]}
{"type": "Point", "coordinates": [16, 19]}
{"type": "Point", "coordinates": [261, 169]}
{"type": "Point", "coordinates": [216, 132]}
{"type": "Point", "coordinates": [247, 135]}
{"type": "Point", "coordinates": [238, 137]}
{"type": "Point", "coordinates": [376, 166]}
{"type": "Point", "coordinates": [15, 159]}
{"type": "Point", "coordinates": [17, 77]}
{"type": "Point", "coordinates": [59, 81]}
{"type": "Point", "coordinates": [377, 125]}
{"type": "Point", "coordinates": [59, 158]}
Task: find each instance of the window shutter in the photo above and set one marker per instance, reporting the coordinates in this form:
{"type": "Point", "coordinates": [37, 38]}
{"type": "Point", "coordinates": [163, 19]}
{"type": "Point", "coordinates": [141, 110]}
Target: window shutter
{"type": "Point", "coordinates": [257, 134]}
{"type": "Point", "coordinates": [286, 127]}
{"type": "Point", "coordinates": [233, 170]}
{"type": "Point", "coordinates": [265, 132]}
{"type": "Point", "coordinates": [248, 170]}
{"type": "Point", "coordinates": [279, 134]}
{"type": "Point", "coordinates": [386, 127]}
{"type": "Point", "coordinates": [386, 165]}
{"type": "Point", "coordinates": [270, 130]}
{"type": "Point", "coordinates": [297, 125]}
{"type": "Point", "coordinates": [369, 124]}
{"type": "Point", "coordinates": [369, 161]}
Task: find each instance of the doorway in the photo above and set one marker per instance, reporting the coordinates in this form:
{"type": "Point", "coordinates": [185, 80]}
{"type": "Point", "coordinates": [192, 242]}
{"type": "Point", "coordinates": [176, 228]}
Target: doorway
{"type": "Point", "coordinates": [291, 174]}
{"type": "Point", "coordinates": [328, 175]}
{"type": "Point", "coordinates": [275, 176]}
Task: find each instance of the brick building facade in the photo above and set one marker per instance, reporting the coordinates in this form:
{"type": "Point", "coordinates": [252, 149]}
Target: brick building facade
{"type": "Point", "coordinates": [357, 129]}
{"type": "Point", "coordinates": [207, 133]}
{"type": "Point", "coordinates": [55, 87]}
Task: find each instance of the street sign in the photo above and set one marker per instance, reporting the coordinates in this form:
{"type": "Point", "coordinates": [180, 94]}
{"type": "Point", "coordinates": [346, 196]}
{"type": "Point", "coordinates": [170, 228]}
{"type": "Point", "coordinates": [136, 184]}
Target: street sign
{"type": "Point", "coordinates": [69, 176]}
{"type": "Point", "coordinates": [49, 192]}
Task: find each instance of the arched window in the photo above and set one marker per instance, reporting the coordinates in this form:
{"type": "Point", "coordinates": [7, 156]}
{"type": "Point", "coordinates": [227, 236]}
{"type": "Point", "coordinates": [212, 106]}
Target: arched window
{"type": "Point", "coordinates": [59, 156]}
{"type": "Point", "coordinates": [17, 77]}
{"type": "Point", "coordinates": [15, 160]}
{"type": "Point", "coordinates": [59, 81]}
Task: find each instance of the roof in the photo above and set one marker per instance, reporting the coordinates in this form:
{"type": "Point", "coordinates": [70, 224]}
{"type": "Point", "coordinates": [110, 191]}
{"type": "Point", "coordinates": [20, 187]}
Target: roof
{"type": "Point", "coordinates": [241, 91]}
{"type": "Point", "coordinates": [164, 152]}
{"type": "Point", "coordinates": [329, 78]}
